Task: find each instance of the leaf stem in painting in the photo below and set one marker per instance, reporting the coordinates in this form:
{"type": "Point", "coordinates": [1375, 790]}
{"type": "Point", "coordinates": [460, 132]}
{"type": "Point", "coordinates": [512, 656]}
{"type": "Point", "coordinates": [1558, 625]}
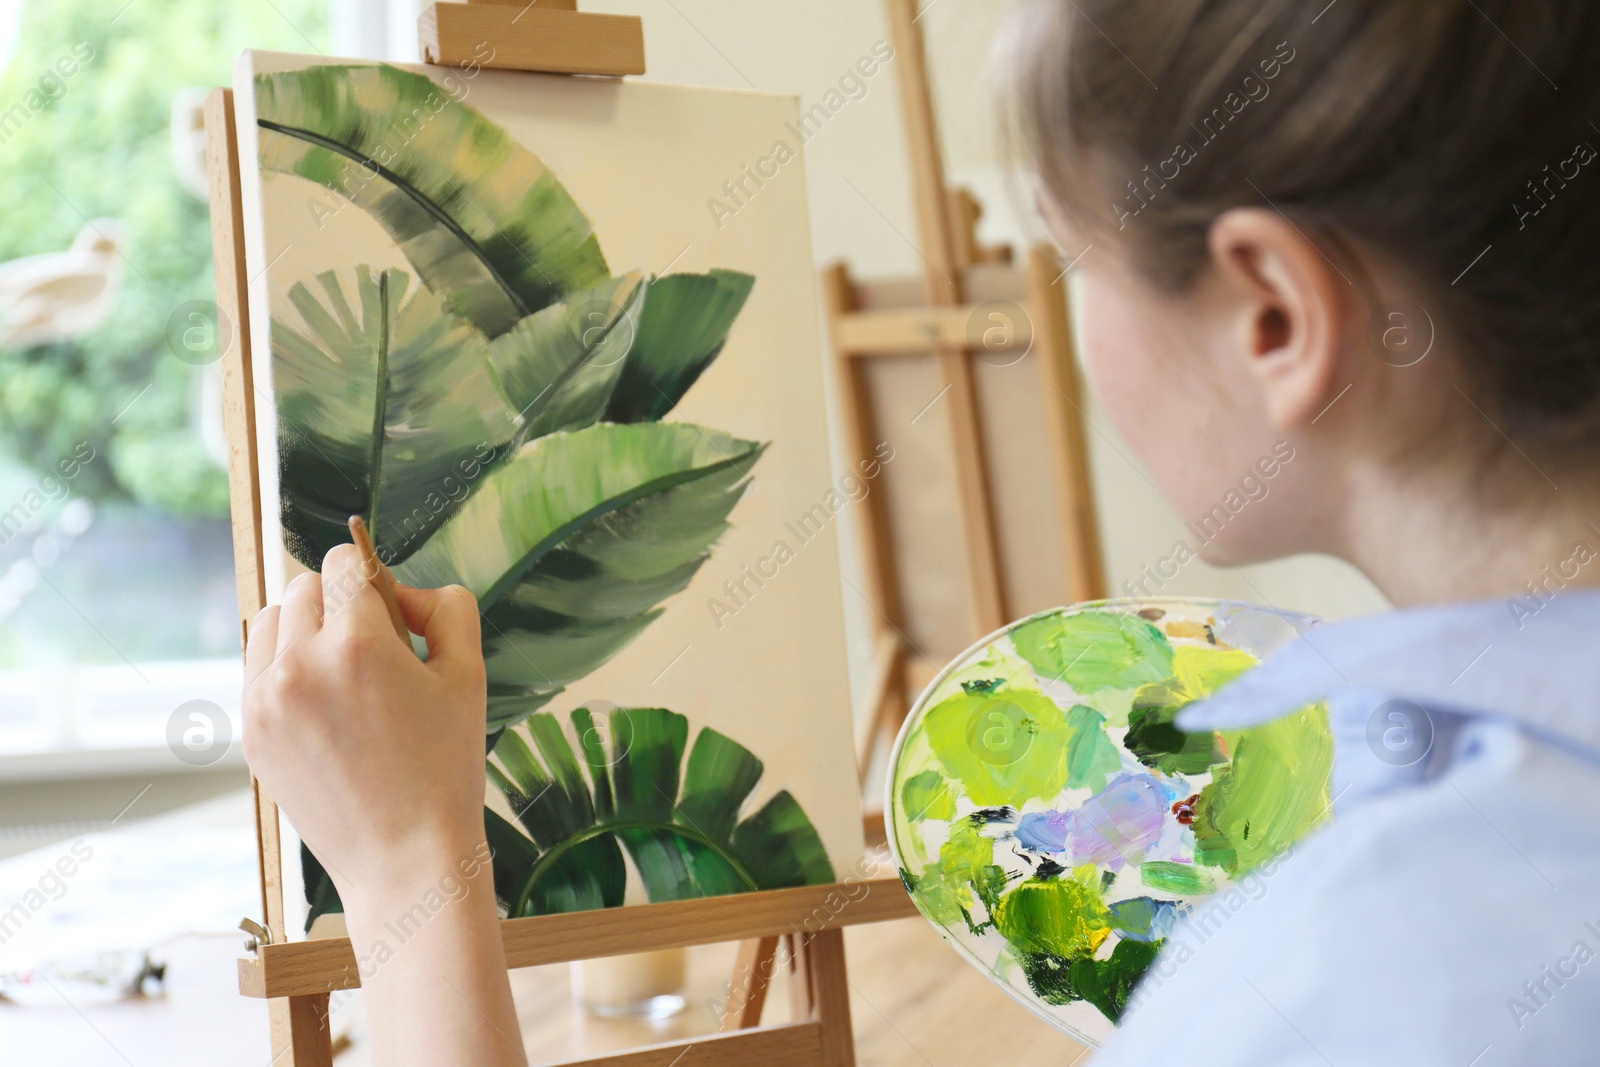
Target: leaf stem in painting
{"type": "Point", "coordinates": [433, 209]}
{"type": "Point", "coordinates": [380, 403]}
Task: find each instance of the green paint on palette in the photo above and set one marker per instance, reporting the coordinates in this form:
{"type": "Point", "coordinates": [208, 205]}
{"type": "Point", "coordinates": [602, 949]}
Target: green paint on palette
{"type": "Point", "coordinates": [964, 876]}
{"type": "Point", "coordinates": [1182, 878]}
{"type": "Point", "coordinates": [1056, 916]}
{"type": "Point", "coordinates": [1274, 791]}
{"type": "Point", "coordinates": [1091, 755]}
{"type": "Point", "coordinates": [1039, 720]}
{"type": "Point", "coordinates": [1003, 746]}
{"type": "Point", "coordinates": [1202, 671]}
{"type": "Point", "coordinates": [1135, 917]}
{"type": "Point", "coordinates": [1155, 739]}
{"type": "Point", "coordinates": [1153, 735]}
{"type": "Point", "coordinates": [1095, 650]}
{"type": "Point", "coordinates": [1107, 983]}
{"type": "Point", "coordinates": [928, 796]}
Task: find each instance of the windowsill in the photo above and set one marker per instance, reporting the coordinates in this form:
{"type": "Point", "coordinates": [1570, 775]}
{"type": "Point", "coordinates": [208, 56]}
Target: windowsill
{"type": "Point", "coordinates": [90, 721]}
{"type": "Point", "coordinates": [64, 763]}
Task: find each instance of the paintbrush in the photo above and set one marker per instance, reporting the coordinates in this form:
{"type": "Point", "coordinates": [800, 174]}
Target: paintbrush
{"type": "Point", "coordinates": [378, 576]}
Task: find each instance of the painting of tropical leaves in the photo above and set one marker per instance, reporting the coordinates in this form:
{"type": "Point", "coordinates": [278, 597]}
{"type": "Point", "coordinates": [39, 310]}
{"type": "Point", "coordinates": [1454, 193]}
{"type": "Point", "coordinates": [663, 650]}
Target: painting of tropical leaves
{"type": "Point", "coordinates": [450, 408]}
{"type": "Point", "coordinates": [621, 785]}
{"type": "Point", "coordinates": [494, 413]}
{"type": "Point", "coordinates": [481, 219]}
{"type": "Point", "coordinates": [389, 406]}
{"type": "Point", "coordinates": [679, 335]}
{"type": "Point", "coordinates": [633, 510]}
{"type": "Point", "coordinates": [617, 784]}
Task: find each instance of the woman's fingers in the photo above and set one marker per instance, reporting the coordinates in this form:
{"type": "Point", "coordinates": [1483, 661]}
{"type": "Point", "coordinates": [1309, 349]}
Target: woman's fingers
{"type": "Point", "coordinates": [351, 601]}
{"type": "Point", "coordinates": [447, 618]}
{"type": "Point", "coordinates": [262, 646]}
{"type": "Point", "coordinates": [301, 616]}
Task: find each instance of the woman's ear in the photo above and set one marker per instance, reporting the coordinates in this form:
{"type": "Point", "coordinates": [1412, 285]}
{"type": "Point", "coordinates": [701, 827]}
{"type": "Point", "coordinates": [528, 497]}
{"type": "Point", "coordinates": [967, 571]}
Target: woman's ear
{"type": "Point", "coordinates": [1289, 302]}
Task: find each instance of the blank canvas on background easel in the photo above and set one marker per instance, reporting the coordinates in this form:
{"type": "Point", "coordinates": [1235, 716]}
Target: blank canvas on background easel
{"type": "Point", "coordinates": [967, 376]}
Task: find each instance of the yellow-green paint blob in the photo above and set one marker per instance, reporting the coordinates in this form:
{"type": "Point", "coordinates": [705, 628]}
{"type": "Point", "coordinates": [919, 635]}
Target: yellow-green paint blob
{"type": "Point", "coordinates": [1060, 916]}
{"type": "Point", "coordinates": [1274, 791]}
{"type": "Point", "coordinates": [1004, 746]}
{"type": "Point", "coordinates": [928, 796]}
{"type": "Point", "coordinates": [1201, 670]}
{"type": "Point", "coordinates": [963, 876]}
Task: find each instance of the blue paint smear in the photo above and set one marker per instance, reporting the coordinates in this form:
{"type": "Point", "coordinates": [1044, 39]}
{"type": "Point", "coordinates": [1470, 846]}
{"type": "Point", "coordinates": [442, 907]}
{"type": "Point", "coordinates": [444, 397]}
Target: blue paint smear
{"type": "Point", "coordinates": [1145, 918]}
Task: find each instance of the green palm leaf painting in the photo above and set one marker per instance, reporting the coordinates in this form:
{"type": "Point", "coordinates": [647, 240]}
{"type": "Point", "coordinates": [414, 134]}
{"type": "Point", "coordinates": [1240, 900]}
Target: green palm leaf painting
{"type": "Point", "coordinates": [482, 220]}
{"type": "Point", "coordinates": [494, 414]}
{"type": "Point", "coordinates": [620, 785]}
{"type": "Point", "coordinates": [569, 544]}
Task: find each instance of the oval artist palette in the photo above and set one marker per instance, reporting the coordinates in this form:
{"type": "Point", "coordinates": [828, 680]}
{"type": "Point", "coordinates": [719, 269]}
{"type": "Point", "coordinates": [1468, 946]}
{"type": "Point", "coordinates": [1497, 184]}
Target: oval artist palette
{"type": "Point", "coordinates": [1054, 825]}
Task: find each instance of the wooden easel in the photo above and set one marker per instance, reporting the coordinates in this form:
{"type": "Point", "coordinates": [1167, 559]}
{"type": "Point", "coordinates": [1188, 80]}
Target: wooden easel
{"type": "Point", "coordinates": [296, 978]}
{"type": "Point", "coordinates": [871, 321]}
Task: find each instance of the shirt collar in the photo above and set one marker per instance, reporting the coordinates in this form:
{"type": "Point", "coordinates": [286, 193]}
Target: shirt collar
{"type": "Point", "coordinates": [1534, 662]}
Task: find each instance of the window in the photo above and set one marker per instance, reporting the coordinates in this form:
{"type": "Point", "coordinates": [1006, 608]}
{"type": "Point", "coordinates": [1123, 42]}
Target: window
{"type": "Point", "coordinates": [116, 577]}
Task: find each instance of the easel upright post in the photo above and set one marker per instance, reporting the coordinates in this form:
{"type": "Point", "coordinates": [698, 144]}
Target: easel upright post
{"type": "Point", "coordinates": [942, 280]}
{"type": "Point", "coordinates": [297, 1025]}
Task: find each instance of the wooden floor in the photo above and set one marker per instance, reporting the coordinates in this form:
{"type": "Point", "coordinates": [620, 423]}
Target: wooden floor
{"type": "Point", "coordinates": [913, 1001]}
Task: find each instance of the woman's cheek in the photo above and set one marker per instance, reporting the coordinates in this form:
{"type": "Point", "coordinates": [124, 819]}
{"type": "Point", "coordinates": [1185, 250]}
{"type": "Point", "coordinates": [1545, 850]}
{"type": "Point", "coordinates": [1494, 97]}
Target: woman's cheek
{"type": "Point", "coordinates": [1133, 360]}
{"type": "Point", "coordinates": [1119, 358]}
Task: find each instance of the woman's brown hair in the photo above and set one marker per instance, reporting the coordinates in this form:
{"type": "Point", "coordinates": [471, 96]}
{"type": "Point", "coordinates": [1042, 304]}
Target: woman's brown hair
{"type": "Point", "coordinates": [1456, 138]}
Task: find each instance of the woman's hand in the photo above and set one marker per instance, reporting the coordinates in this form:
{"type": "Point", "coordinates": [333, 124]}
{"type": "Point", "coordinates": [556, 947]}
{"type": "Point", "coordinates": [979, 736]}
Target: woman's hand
{"type": "Point", "coordinates": [377, 759]}
{"type": "Point", "coordinates": [375, 755]}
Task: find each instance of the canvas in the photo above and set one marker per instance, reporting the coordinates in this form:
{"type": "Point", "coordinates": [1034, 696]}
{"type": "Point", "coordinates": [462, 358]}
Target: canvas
{"type": "Point", "coordinates": [555, 339]}
{"type": "Point", "coordinates": [1053, 823]}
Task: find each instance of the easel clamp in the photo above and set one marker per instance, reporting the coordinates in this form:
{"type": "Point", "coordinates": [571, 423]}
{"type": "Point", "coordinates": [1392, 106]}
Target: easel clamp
{"type": "Point", "coordinates": [547, 36]}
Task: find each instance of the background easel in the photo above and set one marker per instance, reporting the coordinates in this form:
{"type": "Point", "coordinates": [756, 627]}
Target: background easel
{"type": "Point", "coordinates": [296, 978]}
{"type": "Point", "coordinates": [935, 320]}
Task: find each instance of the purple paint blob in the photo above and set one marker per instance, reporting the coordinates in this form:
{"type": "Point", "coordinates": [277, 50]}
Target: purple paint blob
{"type": "Point", "coordinates": [1113, 827]}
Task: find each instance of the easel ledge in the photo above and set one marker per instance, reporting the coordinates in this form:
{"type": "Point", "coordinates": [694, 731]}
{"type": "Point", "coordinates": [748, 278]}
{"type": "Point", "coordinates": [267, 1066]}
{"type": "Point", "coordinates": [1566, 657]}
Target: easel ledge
{"type": "Point", "coordinates": [306, 968]}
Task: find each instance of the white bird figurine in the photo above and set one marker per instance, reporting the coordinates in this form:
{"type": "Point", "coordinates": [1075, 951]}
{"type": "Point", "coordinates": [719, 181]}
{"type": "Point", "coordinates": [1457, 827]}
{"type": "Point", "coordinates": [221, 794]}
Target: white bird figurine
{"type": "Point", "coordinates": [62, 296]}
{"type": "Point", "coordinates": [187, 131]}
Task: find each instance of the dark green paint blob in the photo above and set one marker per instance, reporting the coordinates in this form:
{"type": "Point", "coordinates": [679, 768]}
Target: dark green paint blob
{"type": "Point", "coordinates": [1107, 983]}
{"type": "Point", "coordinates": [1154, 737]}
{"type": "Point", "coordinates": [1156, 740]}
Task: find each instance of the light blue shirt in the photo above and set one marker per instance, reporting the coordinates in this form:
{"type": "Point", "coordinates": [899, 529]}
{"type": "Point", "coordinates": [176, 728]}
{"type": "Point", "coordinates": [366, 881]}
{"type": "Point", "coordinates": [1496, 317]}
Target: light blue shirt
{"type": "Point", "coordinates": [1449, 914]}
